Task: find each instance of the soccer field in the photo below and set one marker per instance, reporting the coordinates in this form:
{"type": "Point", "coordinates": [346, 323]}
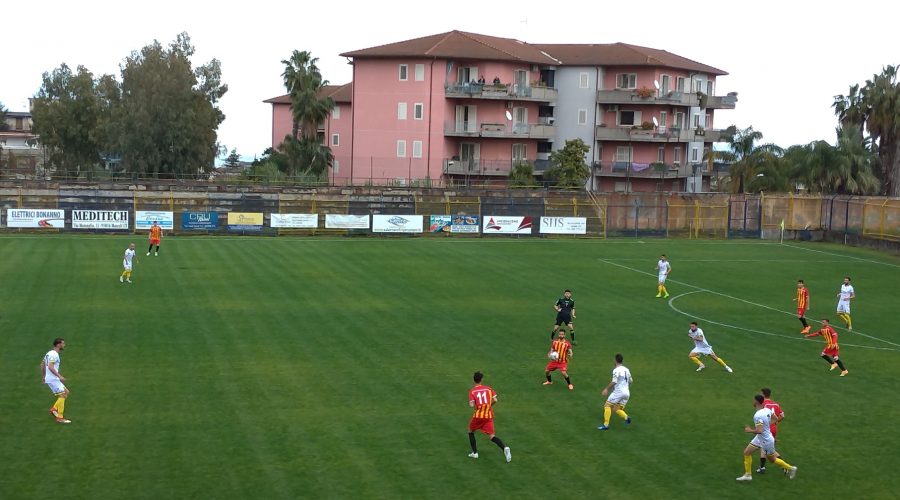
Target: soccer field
{"type": "Point", "coordinates": [339, 368]}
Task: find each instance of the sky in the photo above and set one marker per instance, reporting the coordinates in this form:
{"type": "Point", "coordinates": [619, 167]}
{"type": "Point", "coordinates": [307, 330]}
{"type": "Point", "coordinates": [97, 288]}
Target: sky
{"type": "Point", "coordinates": [786, 60]}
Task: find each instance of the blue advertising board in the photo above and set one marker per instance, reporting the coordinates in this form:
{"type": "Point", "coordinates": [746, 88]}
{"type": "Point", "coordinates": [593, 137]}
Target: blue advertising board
{"type": "Point", "coordinates": [200, 221]}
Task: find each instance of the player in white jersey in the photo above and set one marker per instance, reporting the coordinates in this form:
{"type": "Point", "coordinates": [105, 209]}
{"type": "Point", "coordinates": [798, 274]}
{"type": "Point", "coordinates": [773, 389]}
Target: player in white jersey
{"type": "Point", "coordinates": [763, 440]}
{"type": "Point", "coordinates": [127, 263]}
{"type": "Point", "coordinates": [701, 346]}
{"type": "Point", "coordinates": [621, 379]}
{"type": "Point", "coordinates": [55, 381]}
{"type": "Point", "coordinates": [843, 307]}
{"type": "Point", "coordinates": [663, 268]}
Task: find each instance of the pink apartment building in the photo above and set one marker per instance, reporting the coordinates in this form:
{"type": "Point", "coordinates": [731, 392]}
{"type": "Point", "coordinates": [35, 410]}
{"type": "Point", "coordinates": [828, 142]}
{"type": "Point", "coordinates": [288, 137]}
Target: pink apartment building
{"type": "Point", "coordinates": [458, 107]}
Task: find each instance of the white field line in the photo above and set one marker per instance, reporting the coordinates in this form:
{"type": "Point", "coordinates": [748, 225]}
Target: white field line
{"type": "Point", "coordinates": [701, 289]}
{"type": "Point", "coordinates": [870, 261]}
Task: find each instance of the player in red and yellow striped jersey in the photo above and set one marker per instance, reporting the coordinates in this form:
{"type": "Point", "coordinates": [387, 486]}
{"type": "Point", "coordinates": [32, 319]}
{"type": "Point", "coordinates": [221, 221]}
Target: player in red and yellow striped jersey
{"type": "Point", "coordinates": [155, 237]}
{"type": "Point", "coordinates": [483, 398]}
{"type": "Point", "coordinates": [832, 351]}
{"type": "Point", "coordinates": [802, 300]}
{"type": "Point", "coordinates": [563, 350]}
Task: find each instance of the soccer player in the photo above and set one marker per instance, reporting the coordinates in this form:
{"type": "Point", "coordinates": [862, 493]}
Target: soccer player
{"type": "Point", "coordinates": [802, 301]}
{"type": "Point", "coordinates": [777, 416]}
{"type": "Point", "coordinates": [565, 312]}
{"type": "Point", "coordinates": [483, 398]}
{"type": "Point", "coordinates": [763, 441]}
{"type": "Point", "coordinates": [843, 307]}
{"type": "Point", "coordinates": [155, 236]}
{"type": "Point", "coordinates": [621, 379]}
{"type": "Point", "coordinates": [563, 350]}
{"type": "Point", "coordinates": [663, 267]}
{"type": "Point", "coordinates": [55, 381]}
{"type": "Point", "coordinates": [126, 263]}
{"type": "Point", "coordinates": [832, 351]}
{"type": "Point", "coordinates": [701, 346]}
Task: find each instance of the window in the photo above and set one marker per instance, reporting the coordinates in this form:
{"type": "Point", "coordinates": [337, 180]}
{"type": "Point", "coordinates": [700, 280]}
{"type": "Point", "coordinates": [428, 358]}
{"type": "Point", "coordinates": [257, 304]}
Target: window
{"type": "Point", "coordinates": [696, 122]}
{"type": "Point", "coordinates": [335, 166]}
{"type": "Point", "coordinates": [664, 84]}
{"type": "Point", "coordinates": [623, 154]}
{"type": "Point", "coordinates": [582, 117]}
{"type": "Point", "coordinates": [708, 121]}
{"type": "Point", "coordinates": [583, 80]}
{"type": "Point", "coordinates": [709, 87]}
{"type": "Point", "coordinates": [420, 72]}
{"type": "Point", "coordinates": [336, 113]}
{"type": "Point", "coordinates": [679, 120]}
{"type": "Point", "coordinates": [418, 111]}
{"type": "Point", "coordinates": [679, 84]}
{"type": "Point", "coordinates": [626, 81]}
{"type": "Point", "coordinates": [518, 153]}
{"type": "Point", "coordinates": [677, 154]}
{"type": "Point", "coordinates": [335, 140]}
{"type": "Point", "coordinates": [401, 110]}
{"type": "Point", "coordinates": [698, 85]}
{"type": "Point", "coordinates": [695, 154]}
{"type": "Point", "coordinates": [417, 149]}
{"type": "Point", "coordinates": [629, 118]}
{"type": "Point", "coordinates": [663, 121]}
{"type": "Point", "coordinates": [20, 123]}
{"type": "Point", "coordinates": [404, 70]}
{"type": "Point", "coordinates": [661, 154]}
{"type": "Point", "coordinates": [401, 149]}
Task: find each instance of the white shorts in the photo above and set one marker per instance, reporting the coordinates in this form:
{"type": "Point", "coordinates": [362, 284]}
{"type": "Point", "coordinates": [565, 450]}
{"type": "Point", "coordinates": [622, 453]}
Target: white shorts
{"type": "Point", "coordinates": [618, 398]}
{"type": "Point", "coordinates": [56, 387]}
{"type": "Point", "coordinates": [766, 445]}
{"type": "Point", "coordinates": [702, 350]}
{"type": "Point", "coordinates": [843, 306]}
{"type": "Point", "coordinates": [126, 266]}
{"type": "Point", "coordinates": [662, 278]}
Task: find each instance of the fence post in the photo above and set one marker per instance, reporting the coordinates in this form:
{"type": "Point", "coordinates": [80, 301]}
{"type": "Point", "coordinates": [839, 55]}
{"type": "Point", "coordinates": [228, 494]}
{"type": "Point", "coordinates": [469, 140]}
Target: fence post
{"type": "Point", "coordinates": [762, 199]}
{"type": "Point", "coordinates": [847, 219]}
{"type": "Point", "coordinates": [728, 220]}
{"type": "Point", "coordinates": [881, 225]}
{"type": "Point", "coordinates": [864, 218]}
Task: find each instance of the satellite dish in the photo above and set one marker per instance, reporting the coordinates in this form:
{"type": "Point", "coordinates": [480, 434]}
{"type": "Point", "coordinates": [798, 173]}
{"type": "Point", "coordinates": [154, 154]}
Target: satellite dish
{"type": "Point", "coordinates": [656, 84]}
{"type": "Point", "coordinates": [508, 115]}
{"type": "Point", "coordinates": [655, 122]}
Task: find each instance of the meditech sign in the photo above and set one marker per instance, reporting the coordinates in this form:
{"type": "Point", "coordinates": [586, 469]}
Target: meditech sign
{"type": "Point", "coordinates": [100, 219]}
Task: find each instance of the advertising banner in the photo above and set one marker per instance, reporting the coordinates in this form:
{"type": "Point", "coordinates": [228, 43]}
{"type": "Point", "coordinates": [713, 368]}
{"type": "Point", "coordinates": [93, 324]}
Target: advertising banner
{"type": "Point", "coordinates": [340, 221]}
{"type": "Point", "coordinates": [245, 221]}
{"type": "Point", "coordinates": [143, 219]}
{"type": "Point", "coordinates": [295, 221]}
{"type": "Point", "coordinates": [439, 224]}
{"type": "Point", "coordinates": [502, 224]}
{"type": "Point", "coordinates": [199, 221]}
{"type": "Point", "coordinates": [563, 225]}
{"type": "Point", "coordinates": [397, 223]}
{"type": "Point", "coordinates": [464, 224]}
{"type": "Point", "coordinates": [47, 218]}
{"type": "Point", "coordinates": [100, 219]}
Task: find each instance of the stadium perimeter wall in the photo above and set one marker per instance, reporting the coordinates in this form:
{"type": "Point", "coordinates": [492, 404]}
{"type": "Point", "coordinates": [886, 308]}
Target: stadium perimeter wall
{"type": "Point", "coordinates": [855, 220]}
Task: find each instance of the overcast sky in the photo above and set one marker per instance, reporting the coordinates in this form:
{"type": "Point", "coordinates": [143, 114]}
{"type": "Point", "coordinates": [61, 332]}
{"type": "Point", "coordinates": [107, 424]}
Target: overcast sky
{"type": "Point", "coordinates": [787, 60]}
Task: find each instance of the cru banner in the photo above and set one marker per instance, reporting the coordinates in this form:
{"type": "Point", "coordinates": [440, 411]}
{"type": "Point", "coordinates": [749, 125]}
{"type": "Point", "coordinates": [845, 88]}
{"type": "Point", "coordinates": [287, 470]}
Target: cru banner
{"type": "Point", "coordinates": [46, 218]}
{"type": "Point", "coordinates": [297, 221]}
{"type": "Point", "coordinates": [397, 223]}
{"type": "Point", "coordinates": [245, 221]}
{"type": "Point", "coordinates": [339, 221]}
{"type": "Point", "coordinates": [100, 219]}
{"type": "Point", "coordinates": [506, 225]}
{"type": "Point", "coordinates": [199, 221]}
{"type": "Point", "coordinates": [143, 219]}
{"type": "Point", "coordinates": [563, 225]}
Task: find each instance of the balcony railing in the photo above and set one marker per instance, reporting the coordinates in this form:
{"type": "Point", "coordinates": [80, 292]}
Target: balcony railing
{"type": "Point", "coordinates": [643, 170]}
{"type": "Point", "coordinates": [478, 167]}
{"type": "Point", "coordinates": [718, 101]}
{"type": "Point", "coordinates": [503, 130]}
{"type": "Point", "coordinates": [658, 134]}
{"type": "Point", "coordinates": [501, 91]}
{"type": "Point", "coordinates": [627, 96]}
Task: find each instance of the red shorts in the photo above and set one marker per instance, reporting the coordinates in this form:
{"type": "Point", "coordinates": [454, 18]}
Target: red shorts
{"type": "Point", "coordinates": [485, 425]}
{"type": "Point", "coordinates": [801, 312]}
{"type": "Point", "coordinates": [557, 365]}
{"type": "Point", "coordinates": [154, 242]}
{"type": "Point", "coordinates": [831, 351]}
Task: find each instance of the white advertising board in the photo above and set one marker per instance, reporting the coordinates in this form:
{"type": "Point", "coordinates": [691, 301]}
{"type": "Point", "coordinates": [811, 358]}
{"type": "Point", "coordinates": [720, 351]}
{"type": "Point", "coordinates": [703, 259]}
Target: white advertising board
{"type": "Point", "coordinates": [36, 217]}
{"type": "Point", "coordinates": [563, 225]}
{"type": "Point", "coordinates": [294, 221]}
{"type": "Point", "coordinates": [397, 223]}
{"type": "Point", "coordinates": [503, 224]}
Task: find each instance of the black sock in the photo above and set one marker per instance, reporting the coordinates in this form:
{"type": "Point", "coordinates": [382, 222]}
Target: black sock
{"type": "Point", "coordinates": [572, 333]}
{"type": "Point", "coordinates": [498, 442]}
{"type": "Point", "coordinates": [762, 462]}
{"type": "Point", "coordinates": [552, 334]}
{"type": "Point", "coordinates": [472, 442]}
{"type": "Point", "coordinates": [841, 365]}
{"type": "Point", "coordinates": [549, 379]}
{"type": "Point", "coordinates": [568, 381]}
{"type": "Point", "coordinates": [828, 358]}
{"type": "Point", "coordinates": [149, 248]}
{"type": "Point", "coordinates": [805, 324]}
{"type": "Point", "coordinates": [157, 248]}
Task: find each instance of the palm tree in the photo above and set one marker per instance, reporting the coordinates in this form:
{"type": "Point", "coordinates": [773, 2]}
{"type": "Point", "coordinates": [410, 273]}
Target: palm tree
{"type": "Point", "coordinates": [304, 82]}
{"type": "Point", "coordinates": [3, 124]}
{"type": "Point", "coordinates": [749, 160]}
{"type": "Point", "coordinates": [847, 168]}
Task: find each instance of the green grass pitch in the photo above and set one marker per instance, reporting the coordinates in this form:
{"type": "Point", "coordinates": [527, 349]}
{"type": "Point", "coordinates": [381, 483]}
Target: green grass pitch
{"type": "Point", "coordinates": [339, 368]}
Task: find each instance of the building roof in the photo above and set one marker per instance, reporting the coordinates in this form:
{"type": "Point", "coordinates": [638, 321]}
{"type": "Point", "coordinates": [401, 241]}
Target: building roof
{"type": "Point", "coordinates": [338, 93]}
{"type": "Point", "coordinates": [622, 54]}
{"type": "Point", "coordinates": [459, 45]}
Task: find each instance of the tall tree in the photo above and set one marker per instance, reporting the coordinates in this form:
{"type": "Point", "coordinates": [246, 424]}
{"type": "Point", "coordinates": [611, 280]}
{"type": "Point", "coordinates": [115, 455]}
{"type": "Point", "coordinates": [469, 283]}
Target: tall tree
{"type": "Point", "coordinates": [3, 124]}
{"type": "Point", "coordinates": [754, 167]}
{"type": "Point", "coordinates": [304, 83]}
{"type": "Point", "coordinates": [66, 112]}
{"type": "Point", "coordinates": [569, 168]}
{"type": "Point", "coordinates": [168, 115]}
{"type": "Point", "coordinates": [875, 109]}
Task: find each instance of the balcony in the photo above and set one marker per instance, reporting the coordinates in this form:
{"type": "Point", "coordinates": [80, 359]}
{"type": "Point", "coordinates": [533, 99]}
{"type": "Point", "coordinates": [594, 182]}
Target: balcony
{"type": "Point", "coordinates": [500, 130]}
{"type": "Point", "coordinates": [718, 101]}
{"type": "Point", "coordinates": [658, 134]}
{"type": "Point", "coordinates": [628, 96]}
{"type": "Point", "coordinates": [501, 92]}
{"type": "Point", "coordinates": [495, 168]}
{"type": "Point", "coordinates": [642, 170]}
